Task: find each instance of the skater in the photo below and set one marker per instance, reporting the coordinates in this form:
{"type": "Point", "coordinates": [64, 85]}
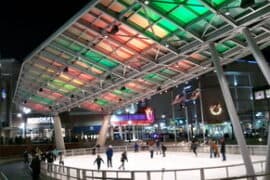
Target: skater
{"type": "Point", "coordinates": [158, 147]}
{"type": "Point", "coordinates": [25, 157]}
{"type": "Point", "coordinates": [98, 161]}
{"type": "Point", "coordinates": [123, 159]}
{"type": "Point", "coordinates": [35, 166]}
{"type": "Point", "coordinates": [50, 160]}
{"type": "Point", "coordinates": [164, 149]}
{"type": "Point", "coordinates": [109, 153]}
{"type": "Point", "coordinates": [151, 149]}
{"type": "Point", "coordinates": [215, 147]}
{"type": "Point", "coordinates": [211, 145]}
{"type": "Point", "coordinates": [223, 149]}
{"type": "Point", "coordinates": [194, 145]}
{"type": "Point", "coordinates": [61, 161]}
{"type": "Point", "coordinates": [136, 147]}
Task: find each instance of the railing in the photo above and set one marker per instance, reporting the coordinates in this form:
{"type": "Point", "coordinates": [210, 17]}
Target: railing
{"type": "Point", "coordinates": [227, 171]}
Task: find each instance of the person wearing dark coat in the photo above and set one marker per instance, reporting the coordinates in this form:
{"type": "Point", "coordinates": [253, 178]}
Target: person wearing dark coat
{"type": "Point", "coordinates": [123, 159]}
{"type": "Point", "coordinates": [164, 149]}
{"type": "Point", "coordinates": [35, 166]}
{"type": "Point", "coordinates": [109, 153]}
{"type": "Point", "coordinates": [98, 161]}
{"type": "Point", "coordinates": [25, 157]}
{"type": "Point", "coordinates": [223, 149]}
{"type": "Point", "coordinates": [194, 146]}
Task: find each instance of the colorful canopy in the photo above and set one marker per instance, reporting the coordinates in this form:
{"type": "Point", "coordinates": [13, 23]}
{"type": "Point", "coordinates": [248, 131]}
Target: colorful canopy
{"type": "Point", "coordinates": [115, 52]}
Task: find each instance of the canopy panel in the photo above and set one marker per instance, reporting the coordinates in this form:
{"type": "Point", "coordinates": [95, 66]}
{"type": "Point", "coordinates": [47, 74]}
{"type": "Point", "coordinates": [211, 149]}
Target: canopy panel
{"type": "Point", "coordinates": [115, 52]}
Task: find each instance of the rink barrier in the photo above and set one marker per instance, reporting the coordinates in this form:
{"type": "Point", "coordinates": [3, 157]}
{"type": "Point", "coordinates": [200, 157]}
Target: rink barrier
{"type": "Point", "coordinates": [70, 173]}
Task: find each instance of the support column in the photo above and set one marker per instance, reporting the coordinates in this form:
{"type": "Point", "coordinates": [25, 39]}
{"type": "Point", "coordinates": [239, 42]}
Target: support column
{"type": "Point", "coordinates": [267, 166]}
{"type": "Point", "coordinates": [186, 114]}
{"type": "Point", "coordinates": [232, 112]}
{"type": "Point", "coordinates": [202, 112]}
{"type": "Point", "coordinates": [104, 130]}
{"type": "Point", "coordinates": [120, 132]}
{"type": "Point", "coordinates": [256, 52]}
{"type": "Point", "coordinates": [133, 132]}
{"type": "Point", "coordinates": [263, 65]}
{"type": "Point", "coordinates": [59, 140]}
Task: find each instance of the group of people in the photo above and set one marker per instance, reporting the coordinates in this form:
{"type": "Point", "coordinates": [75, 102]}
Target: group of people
{"type": "Point", "coordinates": [214, 150]}
{"type": "Point", "coordinates": [109, 155]}
{"type": "Point", "coordinates": [34, 160]}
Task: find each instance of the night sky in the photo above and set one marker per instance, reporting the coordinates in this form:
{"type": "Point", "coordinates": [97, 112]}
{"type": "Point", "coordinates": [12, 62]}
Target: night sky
{"type": "Point", "coordinates": [26, 24]}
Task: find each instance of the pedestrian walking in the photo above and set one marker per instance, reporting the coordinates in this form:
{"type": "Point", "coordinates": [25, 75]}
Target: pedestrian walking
{"type": "Point", "coordinates": [35, 166]}
{"type": "Point", "coordinates": [98, 161]}
{"type": "Point", "coordinates": [136, 147]}
{"type": "Point", "coordinates": [109, 154]}
{"type": "Point", "coordinates": [123, 159]}
{"type": "Point", "coordinates": [158, 146]}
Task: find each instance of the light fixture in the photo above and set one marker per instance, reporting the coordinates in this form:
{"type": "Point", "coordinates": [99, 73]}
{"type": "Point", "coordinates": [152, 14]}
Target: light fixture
{"type": "Point", "coordinates": [19, 115]}
{"type": "Point", "coordinates": [65, 69]}
{"type": "Point", "coordinates": [114, 29]}
{"type": "Point", "coordinates": [146, 2]}
{"type": "Point", "coordinates": [227, 13]}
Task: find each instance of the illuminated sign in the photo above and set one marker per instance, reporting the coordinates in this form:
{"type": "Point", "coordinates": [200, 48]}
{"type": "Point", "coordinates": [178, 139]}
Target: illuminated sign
{"type": "Point", "coordinates": [215, 109]}
{"type": "Point", "coordinates": [40, 120]}
{"type": "Point", "coordinates": [134, 119]}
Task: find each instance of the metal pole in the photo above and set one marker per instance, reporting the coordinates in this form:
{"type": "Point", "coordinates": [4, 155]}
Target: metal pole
{"type": "Point", "coordinates": [186, 114]}
{"type": "Point", "coordinates": [173, 117]}
{"type": "Point", "coordinates": [231, 109]}
{"type": "Point", "coordinates": [254, 48]}
{"type": "Point", "coordinates": [267, 166]}
{"type": "Point", "coordinates": [201, 107]}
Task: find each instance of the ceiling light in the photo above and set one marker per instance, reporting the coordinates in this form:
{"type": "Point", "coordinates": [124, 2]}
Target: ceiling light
{"type": "Point", "coordinates": [146, 2]}
{"type": "Point", "coordinates": [166, 45]}
{"type": "Point", "coordinates": [105, 36]}
{"type": "Point", "coordinates": [227, 13]}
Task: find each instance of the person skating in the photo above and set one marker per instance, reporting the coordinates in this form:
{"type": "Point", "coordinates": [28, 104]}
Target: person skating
{"type": "Point", "coordinates": [151, 150]}
{"type": "Point", "coordinates": [123, 159]}
{"type": "Point", "coordinates": [61, 161]}
{"type": "Point", "coordinates": [223, 149]}
{"type": "Point", "coordinates": [109, 153]}
{"type": "Point", "coordinates": [136, 147]}
{"type": "Point", "coordinates": [98, 161]}
{"type": "Point", "coordinates": [25, 157]}
{"type": "Point", "coordinates": [194, 146]}
{"type": "Point", "coordinates": [164, 149]}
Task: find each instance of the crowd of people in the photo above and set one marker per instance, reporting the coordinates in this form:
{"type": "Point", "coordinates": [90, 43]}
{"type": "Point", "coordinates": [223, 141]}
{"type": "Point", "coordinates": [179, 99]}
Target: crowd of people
{"type": "Point", "coordinates": [34, 159]}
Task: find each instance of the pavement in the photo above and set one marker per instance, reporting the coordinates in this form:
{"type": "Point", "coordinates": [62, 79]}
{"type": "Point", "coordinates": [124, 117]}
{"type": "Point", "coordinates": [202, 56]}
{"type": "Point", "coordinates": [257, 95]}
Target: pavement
{"type": "Point", "coordinates": [14, 169]}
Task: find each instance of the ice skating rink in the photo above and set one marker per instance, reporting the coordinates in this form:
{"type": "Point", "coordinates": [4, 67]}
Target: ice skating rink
{"type": "Point", "coordinates": [141, 161]}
